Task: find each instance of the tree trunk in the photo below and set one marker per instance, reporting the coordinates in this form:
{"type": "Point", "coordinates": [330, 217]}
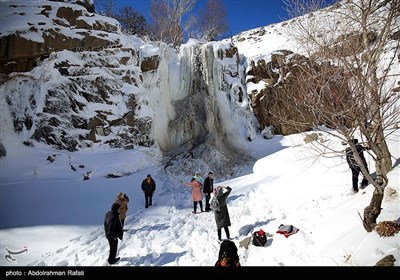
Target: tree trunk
{"type": "Point", "coordinates": [372, 211]}
{"type": "Point", "coordinates": [383, 165]}
{"type": "Point", "coordinates": [386, 164]}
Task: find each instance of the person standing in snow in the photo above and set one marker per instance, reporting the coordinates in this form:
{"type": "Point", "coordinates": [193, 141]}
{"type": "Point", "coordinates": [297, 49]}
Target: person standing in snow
{"type": "Point", "coordinates": [148, 188]}
{"type": "Point", "coordinates": [222, 218]}
{"type": "Point", "coordinates": [208, 188]}
{"type": "Point", "coordinates": [355, 166]}
{"type": "Point", "coordinates": [196, 194]}
{"type": "Point", "coordinates": [123, 200]}
{"type": "Point", "coordinates": [199, 178]}
{"type": "Point", "coordinates": [113, 231]}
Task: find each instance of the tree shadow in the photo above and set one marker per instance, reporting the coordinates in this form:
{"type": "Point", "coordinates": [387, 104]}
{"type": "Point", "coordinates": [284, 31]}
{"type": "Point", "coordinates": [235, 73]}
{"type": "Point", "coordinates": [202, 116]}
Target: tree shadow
{"type": "Point", "coordinates": [396, 163]}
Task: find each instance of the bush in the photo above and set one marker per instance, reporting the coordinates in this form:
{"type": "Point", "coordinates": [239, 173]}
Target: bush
{"type": "Point", "coordinates": [387, 228]}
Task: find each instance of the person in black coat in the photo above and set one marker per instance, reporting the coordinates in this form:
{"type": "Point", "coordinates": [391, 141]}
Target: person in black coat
{"type": "Point", "coordinates": [222, 218]}
{"type": "Point", "coordinates": [208, 188]}
{"type": "Point", "coordinates": [113, 231]}
{"type": "Point", "coordinates": [148, 188]}
{"type": "Point", "coordinates": [228, 256]}
{"type": "Point", "coordinates": [355, 166]}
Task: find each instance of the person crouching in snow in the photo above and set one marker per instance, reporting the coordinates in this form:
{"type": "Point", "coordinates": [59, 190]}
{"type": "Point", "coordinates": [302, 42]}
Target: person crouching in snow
{"type": "Point", "coordinates": [228, 256]}
{"type": "Point", "coordinates": [196, 194]}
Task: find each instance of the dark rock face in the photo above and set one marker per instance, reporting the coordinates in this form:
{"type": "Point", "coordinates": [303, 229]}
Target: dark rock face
{"type": "Point", "coordinates": [150, 63]}
{"type": "Point", "coordinates": [62, 122]}
{"type": "Point", "coordinates": [273, 74]}
{"type": "Point", "coordinates": [72, 28]}
{"type": "Point", "coordinates": [91, 72]}
{"type": "Point", "coordinates": [386, 261]}
{"type": "Point", "coordinates": [284, 79]}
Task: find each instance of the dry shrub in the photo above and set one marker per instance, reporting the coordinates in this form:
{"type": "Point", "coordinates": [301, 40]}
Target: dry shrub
{"type": "Point", "coordinates": [390, 194]}
{"type": "Point", "coordinates": [387, 228]}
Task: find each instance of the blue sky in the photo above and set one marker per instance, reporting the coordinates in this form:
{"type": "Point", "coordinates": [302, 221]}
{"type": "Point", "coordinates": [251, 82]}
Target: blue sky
{"type": "Point", "coordinates": [242, 14]}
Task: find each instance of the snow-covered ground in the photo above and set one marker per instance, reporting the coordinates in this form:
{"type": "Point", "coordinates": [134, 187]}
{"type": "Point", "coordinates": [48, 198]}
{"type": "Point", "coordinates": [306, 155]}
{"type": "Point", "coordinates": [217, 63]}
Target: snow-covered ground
{"type": "Point", "coordinates": [49, 209]}
{"type": "Point", "coordinates": [58, 216]}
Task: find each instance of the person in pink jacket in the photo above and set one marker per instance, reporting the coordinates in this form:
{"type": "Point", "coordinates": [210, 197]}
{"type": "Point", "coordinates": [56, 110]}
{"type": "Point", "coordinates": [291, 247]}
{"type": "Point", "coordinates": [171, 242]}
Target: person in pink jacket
{"type": "Point", "coordinates": [197, 196]}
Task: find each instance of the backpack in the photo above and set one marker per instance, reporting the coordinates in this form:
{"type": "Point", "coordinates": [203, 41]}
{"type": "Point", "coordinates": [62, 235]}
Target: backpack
{"type": "Point", "coordinates": [259, 238]}
{"type": "Point", "coordinates": [214, 204]}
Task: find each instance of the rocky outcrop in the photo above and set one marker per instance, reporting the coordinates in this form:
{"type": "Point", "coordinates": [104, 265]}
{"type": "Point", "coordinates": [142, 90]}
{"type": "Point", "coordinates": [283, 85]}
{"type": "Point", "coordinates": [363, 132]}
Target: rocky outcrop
{"type": "Point", "coordinates": [388, 260]}
{"type": "Point", "coordinates": [54, 26]}
{"type": "Point", "coordinates": [149, 64]}
{"type": "Point", "coordinates": [273, 74]}
{"type": "Point", "coordinates": [350, 44]}
{"type": "Point", "coordinates": [81, 105]}
{"type": "Point", "coordinates": [87, 93]}
{"type": "Point", "coordinates": [283, 78]}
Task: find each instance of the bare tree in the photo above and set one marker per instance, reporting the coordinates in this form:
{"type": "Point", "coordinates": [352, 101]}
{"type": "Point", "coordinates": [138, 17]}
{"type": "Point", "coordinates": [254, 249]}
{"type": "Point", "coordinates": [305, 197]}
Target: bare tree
{"type": "Point", "coordinates": [347, 80]}
{"type": "Point", "coordinates": [106, 7]}
{"type": "Point", "coordinates": [213, 22]}
{"type": "Point", "coordinates": [158, 27]}
{"type": "Point", "coordinates": [167, 16]}
{"type": "Point", "coordinates": [189, 26]}
{"type": "Point", "coordinates": [132, 21]}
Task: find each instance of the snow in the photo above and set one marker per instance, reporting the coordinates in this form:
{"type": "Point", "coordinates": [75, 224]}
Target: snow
{"type": "Point", "coordinates": [59, 216]}
{"type": "Point", "coordinates": [49, 207]}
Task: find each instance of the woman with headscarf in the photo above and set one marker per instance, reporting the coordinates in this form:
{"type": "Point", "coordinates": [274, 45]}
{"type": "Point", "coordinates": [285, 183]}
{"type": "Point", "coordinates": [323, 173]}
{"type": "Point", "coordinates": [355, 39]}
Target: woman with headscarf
{"type": "Point", "coordinates": [197, 196]}
{"type": "Point", "coordinates": [221, 214]}
{"type": "Point", "coordinates": [228, 256]}
{"type": "Point", "coordinates": [123, 200]}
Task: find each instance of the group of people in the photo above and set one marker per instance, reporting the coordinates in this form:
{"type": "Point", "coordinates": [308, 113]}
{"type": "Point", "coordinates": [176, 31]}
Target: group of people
{"type": "Point", "coordinates": [221, 193]}
{"type": "Point", "coordinates": [197, 184]}
{"type": "Point", "coordinates": [227, 257]}
{"type": "Point", "coordinates": [115, 218]}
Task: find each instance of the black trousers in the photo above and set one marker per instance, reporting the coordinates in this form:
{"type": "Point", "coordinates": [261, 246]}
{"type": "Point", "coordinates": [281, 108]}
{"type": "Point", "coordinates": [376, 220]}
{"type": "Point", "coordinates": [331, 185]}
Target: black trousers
{"type": "Point", "coordinates": [148, 200]}
{"type": "Point", "coordinates": [195, 206]}
{"type": "Point", "coordinates": [226, 231]}
{"type": "Point", "coordinates": [208, 197]}
{"type": "Point", "coordinates": [113, 249]}
{"type": "Point", "coordinates": [355, 172]}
